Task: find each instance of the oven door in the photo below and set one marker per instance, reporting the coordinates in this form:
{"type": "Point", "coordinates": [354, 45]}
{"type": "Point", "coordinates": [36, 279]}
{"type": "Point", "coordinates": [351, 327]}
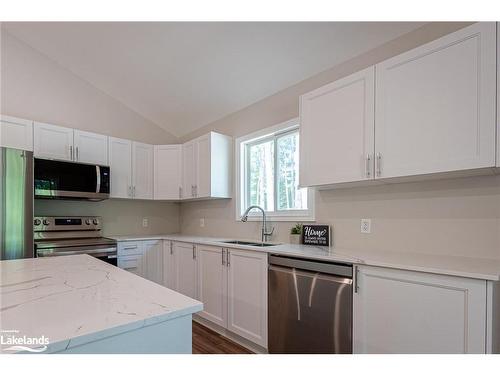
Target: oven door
{"type": "Point", "coordinates": [106, 254]}
{"type": "Point", "coordinates": [67, 180]}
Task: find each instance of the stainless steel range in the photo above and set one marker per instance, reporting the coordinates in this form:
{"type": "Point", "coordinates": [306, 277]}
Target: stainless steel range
{"type": "Point", "coordinates": [70, 235]}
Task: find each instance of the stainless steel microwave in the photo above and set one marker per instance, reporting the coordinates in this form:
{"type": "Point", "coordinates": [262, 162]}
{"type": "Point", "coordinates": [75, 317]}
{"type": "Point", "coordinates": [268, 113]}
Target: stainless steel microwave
{"type": "Point", "coordinates": [67, 180]}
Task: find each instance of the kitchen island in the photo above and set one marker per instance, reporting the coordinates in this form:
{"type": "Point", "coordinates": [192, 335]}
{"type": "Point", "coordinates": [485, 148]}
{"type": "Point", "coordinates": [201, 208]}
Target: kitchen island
{"type": "Point", "coordinates": [79, 304]}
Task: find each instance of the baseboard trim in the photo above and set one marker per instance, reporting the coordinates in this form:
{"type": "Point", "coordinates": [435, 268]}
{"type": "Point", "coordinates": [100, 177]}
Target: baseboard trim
{"type": "Point", "coordinates": [230, 335]}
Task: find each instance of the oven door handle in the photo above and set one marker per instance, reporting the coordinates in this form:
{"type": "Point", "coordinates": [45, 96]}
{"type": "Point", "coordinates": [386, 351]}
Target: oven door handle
{"type": "Point", "coordinates": [110, 252]}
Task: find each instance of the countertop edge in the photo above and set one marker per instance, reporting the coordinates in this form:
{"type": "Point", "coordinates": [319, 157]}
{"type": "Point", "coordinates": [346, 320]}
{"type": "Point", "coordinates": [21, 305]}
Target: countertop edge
{"type": "Point", "coordinates": [338, 257]}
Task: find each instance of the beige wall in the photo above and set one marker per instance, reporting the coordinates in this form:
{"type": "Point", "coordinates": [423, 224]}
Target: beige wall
{"type": "Point", "coordinates": [460, 216]}
{"type": "Point", "coordinates": [118, 216]}
{"type": "Point", "coordinates": [36, 88]}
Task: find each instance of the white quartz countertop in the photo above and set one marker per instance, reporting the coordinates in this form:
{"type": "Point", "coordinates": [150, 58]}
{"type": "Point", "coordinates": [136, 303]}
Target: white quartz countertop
{"type": "Point", "coordinates": [476, 268]}
{"type": "Point", "coordinates": [77, 299]}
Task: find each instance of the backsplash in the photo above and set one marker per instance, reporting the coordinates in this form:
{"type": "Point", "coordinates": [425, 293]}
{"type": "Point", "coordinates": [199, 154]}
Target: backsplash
{"type": "Point", "coordinates": [118, 216]}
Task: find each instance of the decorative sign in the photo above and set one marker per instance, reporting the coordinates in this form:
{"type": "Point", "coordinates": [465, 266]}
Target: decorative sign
{"type": "Point", "coordinates": [318, 235]}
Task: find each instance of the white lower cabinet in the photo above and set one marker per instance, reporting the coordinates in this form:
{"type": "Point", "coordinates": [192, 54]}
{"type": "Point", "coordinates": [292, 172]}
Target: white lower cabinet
{"type": "Point", "coordinates": [130, 257]}
{"type": "Point", "coordinates": [186, 274]}
{"type": "Point", "coordinates": [143, 258]}
{"type": "Point", "coordinates": [212, 283]}
{"type": "Point", "coordinates": [247, 295]}
{"type": "Point", "coordinates": [398, 311]}
{"type": "Point", "coordinates": [153, 260]}
{"type": "Point", "coordinates": [169, 269]}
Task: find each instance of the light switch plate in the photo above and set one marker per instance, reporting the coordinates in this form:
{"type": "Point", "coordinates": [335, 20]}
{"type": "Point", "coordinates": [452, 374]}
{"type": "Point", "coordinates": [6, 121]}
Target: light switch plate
{"type": "Point", "coordinates": [145, 222]}
{"type": "Point", "coordinates": [366, 225]}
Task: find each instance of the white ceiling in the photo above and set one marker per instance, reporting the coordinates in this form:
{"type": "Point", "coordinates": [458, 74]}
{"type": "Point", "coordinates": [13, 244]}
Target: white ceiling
{"type": "Point", "coordinates": [182, 76]}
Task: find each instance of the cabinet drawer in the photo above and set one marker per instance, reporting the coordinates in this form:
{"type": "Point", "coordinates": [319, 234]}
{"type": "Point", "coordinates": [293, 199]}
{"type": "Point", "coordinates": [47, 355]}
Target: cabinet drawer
{"type": "Point", "coordinates": [129, 248]}
{"type": "Point", "coordinates": [131, 263]}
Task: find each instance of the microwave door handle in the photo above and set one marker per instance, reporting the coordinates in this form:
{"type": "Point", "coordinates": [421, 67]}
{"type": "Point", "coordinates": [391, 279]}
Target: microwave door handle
{"type": "Point", "coordinates": [98, 171]}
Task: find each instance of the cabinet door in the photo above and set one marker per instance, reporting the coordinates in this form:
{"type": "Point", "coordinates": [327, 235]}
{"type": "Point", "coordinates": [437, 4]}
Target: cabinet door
{"type": "Point", "coordinates": [212, 284]}
{"type": "Point", "coordinates": [142, 170]}
{"type": "Point", "coordinates": [167, 171]}
{"type": "Point", "coordinates": [53, 142]}
{"type": "Point", "coordinates": [247, 295]}
{"type": "Point", "coordinates": [153, 260]}
{"type": "Point", "coordinates": [91, 148]}
{"type": "Point", "coordinates": [203, 170]}
{"type": "Point", "coordinates": [435, 107]}
{"type": "Point", "coordinates": [185, 268]}
{"type": "Point", "coordinates": [397, 311]}
{"type": "Point", "coordinates": [169, 268]}
{"type": "Point", "coordinates": [189, 152]}
{"type": "Point", "coordinates": [120, 162]}
{"type": "Point", "coordinates": [16, 133]}
{"type": "Point", "coordinates": [337, 131]}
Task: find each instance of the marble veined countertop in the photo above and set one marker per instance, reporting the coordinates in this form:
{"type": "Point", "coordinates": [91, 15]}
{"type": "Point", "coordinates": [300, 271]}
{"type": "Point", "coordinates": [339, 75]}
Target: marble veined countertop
{"type": "Point", "coordinates": [476, 268]}
{"type": "Point", "coordinates": [77, 299]}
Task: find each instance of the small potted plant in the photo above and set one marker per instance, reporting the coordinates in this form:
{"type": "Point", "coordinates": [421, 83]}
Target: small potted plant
{"type": "Point", "coordinates": [295, 234]}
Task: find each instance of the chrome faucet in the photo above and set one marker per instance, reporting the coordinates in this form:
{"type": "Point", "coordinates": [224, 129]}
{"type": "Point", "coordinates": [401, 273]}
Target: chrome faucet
{"type": "Point", "coordinates": [264, 231]}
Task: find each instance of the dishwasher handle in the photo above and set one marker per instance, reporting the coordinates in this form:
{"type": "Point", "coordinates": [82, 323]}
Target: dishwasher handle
{"type": "Point", "coordinates": [311, 274]}
{"type": "Point", "coordinates": [337, 269]}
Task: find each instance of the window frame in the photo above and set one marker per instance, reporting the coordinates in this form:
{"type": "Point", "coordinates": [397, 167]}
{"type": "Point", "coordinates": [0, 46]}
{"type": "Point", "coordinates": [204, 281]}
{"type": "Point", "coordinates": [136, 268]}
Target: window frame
{"type": "Point", "coordinates": [242, 172]}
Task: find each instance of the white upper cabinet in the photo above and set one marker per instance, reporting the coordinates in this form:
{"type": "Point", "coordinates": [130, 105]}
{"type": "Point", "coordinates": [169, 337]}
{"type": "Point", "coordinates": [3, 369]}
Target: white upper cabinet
{"type": "Point", "coordinates": [53, 142]}
{"type": "Point", "coordinates": [57, 142]}
{"type": "Point", "coordinates": [435, 106]}
{"type": "Point", "coordinates": [120, 162]}
{"type": "Point", "coordinates": [131, 166]}
{"type": "Point", "coordinates": [212, 284]}
{"type": "Point", "coordinates": [397, 311]}
{"type": "Point", "coordinates": [207, 167]}
{"type": "Point", "coordinates": [90, 148]}
{"type": "Point", "coordinates": [142, 170]}
{"type": "Point", "coordinates": [16, 133]}
{"type": "Point", "coordinates": [189, 157]}
{"type": "Point", "coordinates": [168, 172]}
{"type": "Point", "coordinates": [337, 131]}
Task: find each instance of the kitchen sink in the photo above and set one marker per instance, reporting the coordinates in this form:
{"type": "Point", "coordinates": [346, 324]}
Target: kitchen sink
{"type": "Point", "coordinates": [248, 243]}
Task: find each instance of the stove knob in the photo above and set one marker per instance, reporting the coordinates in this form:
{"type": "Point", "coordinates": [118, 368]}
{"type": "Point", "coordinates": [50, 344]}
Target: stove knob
{"type": "Point", "coordinates": [95, 221]}
{"type": "Point", "coordinates": [87, 221]}
{"type": "Point", "coordinates": [37, 222]}
{"type": "Point", "coordinates": [46, 222]}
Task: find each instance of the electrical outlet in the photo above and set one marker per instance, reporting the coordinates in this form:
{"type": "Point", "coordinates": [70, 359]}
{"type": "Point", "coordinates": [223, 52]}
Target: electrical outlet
{"type": "Point", "coordinates": [145, 222]}
{"type": "Point", "coordinates": [366, 225]}
{"type": "Point", "coordinates": [202, 222]}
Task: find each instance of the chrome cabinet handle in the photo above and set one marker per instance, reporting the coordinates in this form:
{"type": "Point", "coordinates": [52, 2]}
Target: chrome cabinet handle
{"type": "Point", "coordinates": [133, 191]}
{"type": "Point", "coordinates": [171, 248]}
{"type": "Point", "coordinates": [223, 254]}
{"type": "Point", "coordinates": [368, 169]}
{"type": "Point", "coordinates": [379, 164]}
{"type": "Point", "coordinates": [71, 152]}
{"type": "Point", "coordinates": [180, 191]}
{"type": "Point", "coordinates": [194, 252]}
{"type": "Point", "coordinates": [77, 156]}
{"type": "Point", "coordinates": [228, 257]}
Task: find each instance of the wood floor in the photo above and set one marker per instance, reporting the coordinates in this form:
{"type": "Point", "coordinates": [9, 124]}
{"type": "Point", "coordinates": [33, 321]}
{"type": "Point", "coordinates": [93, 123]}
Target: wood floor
{"type": "Point", "coordinates": [206, 341]}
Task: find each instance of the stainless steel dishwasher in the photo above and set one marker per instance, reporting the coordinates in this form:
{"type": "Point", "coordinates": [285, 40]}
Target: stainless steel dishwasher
{"type": "Point", "coordinates": [310, 306]}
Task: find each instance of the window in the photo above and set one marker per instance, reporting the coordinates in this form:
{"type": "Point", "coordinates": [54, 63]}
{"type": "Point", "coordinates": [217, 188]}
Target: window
{"type": "Point", "coordinates": [268, 173]}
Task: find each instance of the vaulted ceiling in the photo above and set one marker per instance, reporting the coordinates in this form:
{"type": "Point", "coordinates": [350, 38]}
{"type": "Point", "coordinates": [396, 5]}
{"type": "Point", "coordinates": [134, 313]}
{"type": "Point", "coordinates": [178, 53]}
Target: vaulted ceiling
{"type": "Point", "coordinates": [183, 76]}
